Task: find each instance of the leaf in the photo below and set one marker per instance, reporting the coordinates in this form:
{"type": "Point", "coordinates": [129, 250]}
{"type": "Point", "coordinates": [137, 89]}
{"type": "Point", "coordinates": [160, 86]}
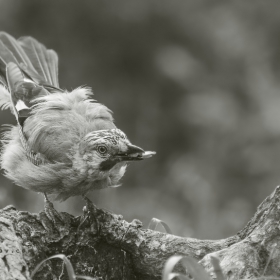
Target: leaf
{"type": "Point", "coordinates": [194, 269]}
{"type": "Point", "coordinates": [68, 265]}
{"type": "Point", "coordinates": [69, 268]}
{"type": "Point", "coordinates": [86, 277]}
{"type": "Point", "coordinates": [154, 223]}
{"type": "Point", "coordinates": [178, 276]}
{"type": "Point", "coordinates": [169, 266]}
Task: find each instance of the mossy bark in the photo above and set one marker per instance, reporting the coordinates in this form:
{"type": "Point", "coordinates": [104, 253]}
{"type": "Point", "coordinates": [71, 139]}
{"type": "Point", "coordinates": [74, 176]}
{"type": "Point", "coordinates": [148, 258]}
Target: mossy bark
{"type": "Point", "coordinates": [103, 245]}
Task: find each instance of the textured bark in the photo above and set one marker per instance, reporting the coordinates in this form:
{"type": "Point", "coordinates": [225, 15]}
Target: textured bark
{"type": "Point", "coordinates": [102, 244]}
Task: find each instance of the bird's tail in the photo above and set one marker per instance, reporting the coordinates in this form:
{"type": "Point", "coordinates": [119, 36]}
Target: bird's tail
{"type": "Point", "coordinates": [27, 70]}
{"type": "Point", "coordinates": [36, 62]}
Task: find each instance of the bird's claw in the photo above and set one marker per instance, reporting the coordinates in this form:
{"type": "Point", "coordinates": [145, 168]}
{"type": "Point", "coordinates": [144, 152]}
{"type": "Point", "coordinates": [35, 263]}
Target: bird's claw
{"type": "Point", "coordinates": [51, 213]}
{"type": "Point", "coordinates": [89, 205]}
{"type": "Point", "coordinates": [52, 221]}
{"type": "Point", "coordinates": [87, 213]}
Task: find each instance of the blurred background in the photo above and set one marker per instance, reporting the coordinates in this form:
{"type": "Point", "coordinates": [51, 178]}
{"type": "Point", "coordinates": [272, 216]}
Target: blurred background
{"type": "Point", "coordinates": [197, 81]}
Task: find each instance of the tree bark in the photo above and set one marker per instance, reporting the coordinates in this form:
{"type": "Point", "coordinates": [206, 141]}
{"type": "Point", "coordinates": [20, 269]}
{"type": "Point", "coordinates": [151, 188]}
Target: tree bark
{"type": "Point", "coordinates": [103, 245]}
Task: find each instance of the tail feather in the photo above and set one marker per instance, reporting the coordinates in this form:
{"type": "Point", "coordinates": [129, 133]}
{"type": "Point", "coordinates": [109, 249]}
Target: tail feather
{"type": "Point", "coordinates": [27, 71]}
{"type": "Point", "coordinates": [12, 44]}
{"type": "Point", "coordinates": [38, 63]}
{"type": "Point", "coordinates": [14, 76]}
{"type": "Point", "coordinates": [44, 61]}
{"type": "Point", "coordinates": [52, 60]}
{"type": "Point", "coordinates": [36, 52]}
{"type": "Point", "coordinates": [6, 55]}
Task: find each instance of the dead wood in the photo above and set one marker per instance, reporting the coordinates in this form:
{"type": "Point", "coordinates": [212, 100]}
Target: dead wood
{"type": "Point", "coordinates": [103, 245]}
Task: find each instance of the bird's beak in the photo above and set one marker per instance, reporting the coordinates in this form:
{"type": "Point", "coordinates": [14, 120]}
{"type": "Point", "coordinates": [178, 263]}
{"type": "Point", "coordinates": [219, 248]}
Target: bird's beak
{"type": "Point", "coordinates": [133, 153]}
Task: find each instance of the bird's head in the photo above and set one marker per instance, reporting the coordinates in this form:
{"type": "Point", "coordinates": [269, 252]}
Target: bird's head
{"type": "Point", "coordinates": [103, 149]}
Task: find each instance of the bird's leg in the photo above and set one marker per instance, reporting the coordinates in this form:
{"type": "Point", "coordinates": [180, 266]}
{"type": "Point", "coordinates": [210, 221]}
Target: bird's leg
{"type": "Point", "coordinates": [51, 213]}
{"type": "Point", "coordinates": [88, 205]}
{"type": "Point", "coordinates": [52, 220]}
{"type": "Point", "coordinates": [86, 210]}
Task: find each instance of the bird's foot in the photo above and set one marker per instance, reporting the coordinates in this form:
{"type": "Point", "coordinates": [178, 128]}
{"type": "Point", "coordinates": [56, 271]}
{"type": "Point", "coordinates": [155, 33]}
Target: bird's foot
{"type": "Point", "coordinates": [89, 205]}
{"type": "Point", "coordinates": [88, 217]}
{"type": "Point", "coordinates": [51, 213]}
{"type": "Point", "coordinates": [51, 219]}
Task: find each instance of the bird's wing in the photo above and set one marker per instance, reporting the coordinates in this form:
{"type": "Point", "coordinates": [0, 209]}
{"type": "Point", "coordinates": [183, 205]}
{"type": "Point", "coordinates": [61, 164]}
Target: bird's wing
{"type": "Point", "coordinates": [27, 71]}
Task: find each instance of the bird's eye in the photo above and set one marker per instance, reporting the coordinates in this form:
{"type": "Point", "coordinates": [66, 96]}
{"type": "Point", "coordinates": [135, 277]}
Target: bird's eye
{"type": "Point", "coordinates": [102, 150]}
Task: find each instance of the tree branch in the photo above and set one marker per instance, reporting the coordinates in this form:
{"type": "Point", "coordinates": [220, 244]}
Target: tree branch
{"type": "Point", "coordinates": [102, 244]}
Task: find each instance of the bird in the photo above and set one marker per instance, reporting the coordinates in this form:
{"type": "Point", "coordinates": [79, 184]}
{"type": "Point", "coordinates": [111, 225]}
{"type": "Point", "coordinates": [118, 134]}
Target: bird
{"type": "Point", "coordinates": [65, 143]}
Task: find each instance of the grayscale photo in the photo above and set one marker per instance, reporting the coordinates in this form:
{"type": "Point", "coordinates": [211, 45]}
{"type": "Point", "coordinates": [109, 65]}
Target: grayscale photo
{"type": "Point", "coordinates": [139, 140]}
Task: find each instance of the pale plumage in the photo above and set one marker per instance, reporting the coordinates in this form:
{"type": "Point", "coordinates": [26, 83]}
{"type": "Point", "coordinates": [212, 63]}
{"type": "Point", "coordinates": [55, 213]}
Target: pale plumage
{"type": "Point", "coordinates": [65, 143]}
